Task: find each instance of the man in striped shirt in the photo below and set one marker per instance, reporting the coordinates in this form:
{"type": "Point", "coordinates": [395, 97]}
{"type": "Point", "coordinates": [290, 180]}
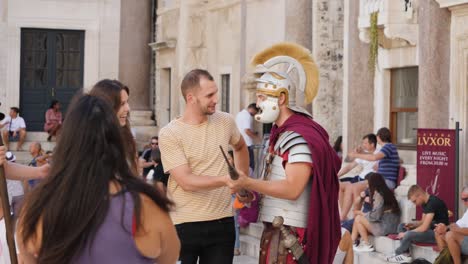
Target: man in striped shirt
{"type": "Point", "coordinates": [389, 161]}
{"type": "Point", "coordinates": [198, 173]}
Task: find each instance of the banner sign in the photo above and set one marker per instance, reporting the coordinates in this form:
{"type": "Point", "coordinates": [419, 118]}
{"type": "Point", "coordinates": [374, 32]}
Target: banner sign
{"type": "Point", "coordinates": [436, 165]}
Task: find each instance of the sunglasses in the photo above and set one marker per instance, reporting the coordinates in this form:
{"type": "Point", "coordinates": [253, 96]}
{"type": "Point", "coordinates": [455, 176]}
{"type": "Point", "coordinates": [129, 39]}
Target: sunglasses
{"type": "Point", "coordinates": [154, 143]}
{"type": "Point", "coordinates": [465, 199]}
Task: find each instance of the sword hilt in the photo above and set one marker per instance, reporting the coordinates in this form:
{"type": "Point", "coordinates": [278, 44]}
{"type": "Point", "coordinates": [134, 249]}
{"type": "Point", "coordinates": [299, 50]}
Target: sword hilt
{"type": "Point", "coordinates": [290, 241]}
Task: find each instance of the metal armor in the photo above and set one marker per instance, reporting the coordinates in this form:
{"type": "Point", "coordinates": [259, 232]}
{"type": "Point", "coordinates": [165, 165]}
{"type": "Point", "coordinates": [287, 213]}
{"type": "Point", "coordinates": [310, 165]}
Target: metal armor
{"type": "Point", "coordinates": [294, 212]}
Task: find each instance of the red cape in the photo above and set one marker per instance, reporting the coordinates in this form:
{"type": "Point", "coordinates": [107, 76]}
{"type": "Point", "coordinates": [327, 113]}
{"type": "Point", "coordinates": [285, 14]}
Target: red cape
{"type": "Point", "coordinates": [323, 232]}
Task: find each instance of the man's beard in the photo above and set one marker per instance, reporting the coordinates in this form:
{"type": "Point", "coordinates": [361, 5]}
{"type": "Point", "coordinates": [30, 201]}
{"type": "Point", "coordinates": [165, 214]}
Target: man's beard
{"type": "Point", "coordinates": [205, 109]}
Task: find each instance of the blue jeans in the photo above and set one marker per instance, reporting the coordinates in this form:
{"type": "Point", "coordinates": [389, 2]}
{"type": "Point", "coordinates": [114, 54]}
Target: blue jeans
{"type": "Point", "coordinates": [237, 228]}
{"type": "Point", "coordinates": [208, 242]}
{"type": "Point", "coordinates": [411, 236]}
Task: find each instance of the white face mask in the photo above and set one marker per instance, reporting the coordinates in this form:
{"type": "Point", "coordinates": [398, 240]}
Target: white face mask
{"type": "Point", "coordinates": [269, 110]}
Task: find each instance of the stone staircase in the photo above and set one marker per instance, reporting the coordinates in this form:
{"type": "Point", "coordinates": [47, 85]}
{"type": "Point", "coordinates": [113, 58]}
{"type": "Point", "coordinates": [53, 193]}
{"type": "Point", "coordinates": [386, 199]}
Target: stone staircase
{"type": "Point", "coordinates": [23, 156]}
{"type": "Point", "coordinates": [143, 126]}
{"type": "Point", "coordinates": [385, 247]}
{"type": "Point", "coordinates": [250, 239]}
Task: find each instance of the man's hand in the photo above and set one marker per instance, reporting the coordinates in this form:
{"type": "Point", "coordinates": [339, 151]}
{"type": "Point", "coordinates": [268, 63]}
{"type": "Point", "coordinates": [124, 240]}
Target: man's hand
{"type": "Point", "coordinates": [14, 133]}
{"type": "Point", "coordinates": [410, 226]}
{"type": "Point", "coordinates": [454, 227]}
{"type": "Point", "coordinates": [246, 199]}
{"type": "Point", "coordinates": [3, 151]}
{"type": "Point", "coordinates": [401, 235]}
{"type": "Point", "coordinates": [440, 229]}
{"type": "Point", "coordinates": [237, 185]}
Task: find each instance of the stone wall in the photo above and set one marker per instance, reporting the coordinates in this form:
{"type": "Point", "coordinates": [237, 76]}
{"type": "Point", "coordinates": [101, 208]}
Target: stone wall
{"type": "Point", "coordinates": [134, 53]}
{"type": "Point", "coordinates": [328, 23]}
{"type": "Point", "coordinates": [99, 19]}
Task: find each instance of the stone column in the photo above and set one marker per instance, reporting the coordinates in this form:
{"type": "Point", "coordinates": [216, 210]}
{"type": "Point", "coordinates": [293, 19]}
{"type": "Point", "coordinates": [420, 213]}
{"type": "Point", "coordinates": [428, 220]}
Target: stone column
{"type": "Point", "coordinates": [299, 22]}
{"type": "Point", "coordinates": [434, 65]}
{"type": "Point", "coordinates": [3, 54]}
{"type": "Point", "coordinates": [298, 29]}
{"type": "Point", "coordinates": [135, 54]}
{"type": "Point", "coordinates": [358, 85]}
{"type": "Point", "coordinates": [328, 53]}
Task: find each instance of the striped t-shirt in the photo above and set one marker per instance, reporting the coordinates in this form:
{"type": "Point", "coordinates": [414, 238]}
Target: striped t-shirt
{"type": "Point", "coordinates": [198, 147]}
{"type": "Point", "coordinates": [390, 164]}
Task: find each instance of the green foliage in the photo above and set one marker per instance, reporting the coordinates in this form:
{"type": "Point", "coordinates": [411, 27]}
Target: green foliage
{"type": "Point", "coordinates": [374, 41]}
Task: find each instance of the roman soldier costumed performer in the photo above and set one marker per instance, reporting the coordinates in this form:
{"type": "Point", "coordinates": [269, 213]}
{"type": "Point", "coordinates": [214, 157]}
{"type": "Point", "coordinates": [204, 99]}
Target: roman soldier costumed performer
{"type": "Point", "coordinates": [300, 187]}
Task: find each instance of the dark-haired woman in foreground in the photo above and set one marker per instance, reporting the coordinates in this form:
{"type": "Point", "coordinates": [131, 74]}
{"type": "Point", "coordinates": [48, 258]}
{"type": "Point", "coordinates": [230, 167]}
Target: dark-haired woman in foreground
{"type": "Point", "coordinates": [92, 208]}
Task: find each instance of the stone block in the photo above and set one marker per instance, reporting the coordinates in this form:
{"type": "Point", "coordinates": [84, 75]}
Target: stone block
{"type": "Point", "coordinates": [369, 257]}
{"type": "Point", "coordinates": [253, 229]}
{"type": "Point", "coordinates": [384, 244]}
{"type": "Point", "coordinates": [427, 253]}
{"type": "Point", "coordinates": [249, 246]}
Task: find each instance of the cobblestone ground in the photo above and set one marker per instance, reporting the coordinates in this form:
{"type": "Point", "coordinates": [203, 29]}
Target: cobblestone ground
{"type": "Point", "coordinates": [244, 260]}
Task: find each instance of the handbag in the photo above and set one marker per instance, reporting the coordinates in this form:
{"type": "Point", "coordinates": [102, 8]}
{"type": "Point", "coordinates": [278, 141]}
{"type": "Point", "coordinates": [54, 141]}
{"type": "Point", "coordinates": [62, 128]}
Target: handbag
{"type": "Point", "coordinates": [444, 257]}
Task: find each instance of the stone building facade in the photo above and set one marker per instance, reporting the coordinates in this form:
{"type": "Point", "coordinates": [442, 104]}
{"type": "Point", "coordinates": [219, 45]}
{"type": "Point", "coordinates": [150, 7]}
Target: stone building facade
{"type": "Point", "coordinates": [50, 49]}
{"type": "Point", "coordinates": [420, 78]}
{"type": "Point", "coordinates": [223, 36]}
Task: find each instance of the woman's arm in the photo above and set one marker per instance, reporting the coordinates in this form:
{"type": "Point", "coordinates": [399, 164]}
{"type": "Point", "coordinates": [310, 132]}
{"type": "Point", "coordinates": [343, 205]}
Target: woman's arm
{"type": "Point", "coordinates": [156, 237]}
{"type": "Point", "coordinates": [48, 116]}
{"type": "Point", "coordinates": [377, 209]}
{"type": "Point", "coordinates": [14, 171]}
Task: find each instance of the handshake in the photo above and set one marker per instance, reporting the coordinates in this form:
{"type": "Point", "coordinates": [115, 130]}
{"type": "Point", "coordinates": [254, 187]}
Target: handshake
{"type": "Point", "coordinates": [234, 175]}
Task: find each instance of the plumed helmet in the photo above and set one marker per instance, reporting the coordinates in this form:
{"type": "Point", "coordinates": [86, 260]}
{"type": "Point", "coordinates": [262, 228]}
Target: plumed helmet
{"type": "Point", "coordinates": [274, 82]}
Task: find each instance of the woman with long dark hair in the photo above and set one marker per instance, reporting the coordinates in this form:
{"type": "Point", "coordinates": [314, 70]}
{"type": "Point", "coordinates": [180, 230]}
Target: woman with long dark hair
{"type": "Point", "coordinates": [117, 94]}
{"type": "Point", "coordinates": [92, 208]}
{"type": "Point", "coordinates": [53, 119]}
{"type": "Point", "coordinates": [384, 217]}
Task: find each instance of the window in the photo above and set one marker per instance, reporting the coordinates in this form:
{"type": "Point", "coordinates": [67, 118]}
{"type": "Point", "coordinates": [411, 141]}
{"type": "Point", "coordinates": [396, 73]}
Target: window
{"type": "Point", "coordinates": [225, 92]}
{"type": "Point", "coordinates": [404, 106]}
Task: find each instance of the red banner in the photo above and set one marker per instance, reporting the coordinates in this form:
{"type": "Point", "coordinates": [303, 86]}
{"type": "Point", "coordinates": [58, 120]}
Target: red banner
{"type": "Point", "coordinates": [436, 165]}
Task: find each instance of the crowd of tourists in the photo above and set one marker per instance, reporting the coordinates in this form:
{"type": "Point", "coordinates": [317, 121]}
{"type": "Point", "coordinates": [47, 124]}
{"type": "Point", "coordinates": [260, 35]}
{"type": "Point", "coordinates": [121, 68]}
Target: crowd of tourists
{"type": "Point", "coordinates": [95, 200]}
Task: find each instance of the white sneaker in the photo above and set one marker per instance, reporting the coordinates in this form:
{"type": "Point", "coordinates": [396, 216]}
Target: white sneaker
{"type": "Point", "coordinates": [402, 258]}
{"type": "Point", "coordinates": [355, 246]}
{"type": "Point", "coordinates": [364, 247]}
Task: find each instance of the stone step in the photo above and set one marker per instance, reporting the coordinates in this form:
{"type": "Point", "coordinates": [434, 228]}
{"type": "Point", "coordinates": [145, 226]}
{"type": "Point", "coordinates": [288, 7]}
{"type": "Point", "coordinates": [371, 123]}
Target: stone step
{"type": "Point", "coordinates": [140, 145]}
{"type": "Point", "coordinates": [144, 133]}
{"type": "Point", "coordinates": [141, 114]}
{"type": "Point", "coordinates": [249, 246]}
{"type": "Point", "coordinates": [427, 253]}
{"type": "Point", "coordinates": [45, 145]}
{"type": "Point", "coordinates": [253, 229]}
{"type": "Point", "coordinates": [243, 259]}
{"type": "Point", "coordinates": [22, 155]}
{"type": "Point", "coordinates": [36, 136]}
{"type": "Point", "coordinates": [369, 257]}
{"type": "Point", "coordinates": [384, 244]}
{"type": "Point", "coordinates": [142, 122]}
